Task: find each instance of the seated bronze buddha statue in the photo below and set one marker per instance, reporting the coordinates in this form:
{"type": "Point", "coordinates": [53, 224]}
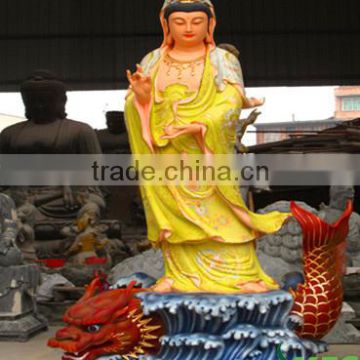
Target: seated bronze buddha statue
{"type": "Point", "coordinates": [48, 131]}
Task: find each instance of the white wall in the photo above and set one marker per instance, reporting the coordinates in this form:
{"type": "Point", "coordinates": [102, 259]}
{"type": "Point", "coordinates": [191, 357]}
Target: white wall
{"type": "Point", "coordinates": [7, 120]}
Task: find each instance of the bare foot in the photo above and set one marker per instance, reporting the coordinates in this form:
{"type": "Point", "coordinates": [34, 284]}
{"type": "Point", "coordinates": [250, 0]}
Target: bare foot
{"type": "Point", "coordinates": [164, 285]}
{"type": "Point", "coordinates": [254, 287]}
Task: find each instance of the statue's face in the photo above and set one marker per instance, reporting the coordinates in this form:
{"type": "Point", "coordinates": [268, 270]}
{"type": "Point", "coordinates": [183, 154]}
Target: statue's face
{"type": "Point", "coordinates": [188, 28]}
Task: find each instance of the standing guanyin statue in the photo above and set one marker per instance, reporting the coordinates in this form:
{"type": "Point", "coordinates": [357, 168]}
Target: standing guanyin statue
{"type": "Point", "coordinates": [186, 97]}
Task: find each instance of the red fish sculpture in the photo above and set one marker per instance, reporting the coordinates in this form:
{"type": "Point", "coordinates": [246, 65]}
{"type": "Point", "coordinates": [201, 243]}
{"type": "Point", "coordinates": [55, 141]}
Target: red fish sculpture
{"type": "Point", "coordinates": [318, 301]}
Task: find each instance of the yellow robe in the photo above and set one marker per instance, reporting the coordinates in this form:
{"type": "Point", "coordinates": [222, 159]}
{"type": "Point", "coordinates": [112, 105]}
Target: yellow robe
{"type": "Point", "coordinates": [207, 247]}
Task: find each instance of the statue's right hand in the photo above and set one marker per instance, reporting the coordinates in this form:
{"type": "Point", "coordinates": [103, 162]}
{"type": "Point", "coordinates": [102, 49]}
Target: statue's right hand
{"type": "Point", "coordinates": [140, 84]}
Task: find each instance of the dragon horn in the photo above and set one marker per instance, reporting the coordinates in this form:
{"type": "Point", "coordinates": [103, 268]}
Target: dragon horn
{"type": "Point", "coordinates": [103, 278]}
{"type": "Point", "coordinates": [131, 285]}
{"type": "Point", "coordinates": [130, 289]}
{"type": "Point", "coordinates": [96, 286]}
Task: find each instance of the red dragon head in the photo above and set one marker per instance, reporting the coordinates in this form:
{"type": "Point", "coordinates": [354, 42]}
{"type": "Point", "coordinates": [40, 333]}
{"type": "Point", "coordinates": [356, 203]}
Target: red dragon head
{"type": "Point", "coordinates": [107, 322]}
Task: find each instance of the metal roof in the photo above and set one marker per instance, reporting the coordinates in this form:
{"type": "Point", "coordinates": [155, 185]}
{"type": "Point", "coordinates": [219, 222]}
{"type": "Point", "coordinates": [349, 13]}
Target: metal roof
{"type": "Point", "coordinates": [90, 43]}
{"type": "Point", "coordinates": [297, 124]}
{"type": "Point", "coordinates": [344, 138]}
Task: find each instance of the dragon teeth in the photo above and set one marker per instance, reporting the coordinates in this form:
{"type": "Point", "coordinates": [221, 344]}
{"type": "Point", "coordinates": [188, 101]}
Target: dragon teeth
{"type": "Point", "coordinates": [76, 356]}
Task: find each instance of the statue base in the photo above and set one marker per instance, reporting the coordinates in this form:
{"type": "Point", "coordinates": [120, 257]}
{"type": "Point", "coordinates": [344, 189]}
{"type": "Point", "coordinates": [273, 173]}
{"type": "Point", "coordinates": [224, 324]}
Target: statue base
{"type": "Point", "coordinates": [231, 327]}
{"type": "Point", "coordinates": [19, 319]}
{"type": "Point", "coordinates": [21, 328]}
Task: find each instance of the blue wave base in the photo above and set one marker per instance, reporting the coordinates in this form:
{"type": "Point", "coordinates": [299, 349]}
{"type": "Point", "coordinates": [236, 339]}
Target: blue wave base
{"type": "Point", "coordinates": [227, 327]}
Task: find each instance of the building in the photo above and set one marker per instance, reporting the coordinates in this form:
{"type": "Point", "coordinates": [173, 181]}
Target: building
{"type": "Point", "coordinates": [347, 99]}
{"type": "Point", "coordinates": [347, 102]}
{"type": "Point", "coordinates": [342, 137]}
{"type": "Point", "coordinates": [272, 132]}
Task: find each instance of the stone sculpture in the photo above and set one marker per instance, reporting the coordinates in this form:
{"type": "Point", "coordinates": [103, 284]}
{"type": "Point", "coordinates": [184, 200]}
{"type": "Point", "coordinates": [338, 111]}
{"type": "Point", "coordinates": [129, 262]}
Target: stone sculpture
{"type": "Point", "coordinates": [19, 318]}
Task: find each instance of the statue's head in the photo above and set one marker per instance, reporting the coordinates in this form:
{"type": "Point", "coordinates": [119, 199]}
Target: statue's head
{"type": "Point", "coordinates": [44, 96]}
{"type": "Point", "coordinates": [188, 22]}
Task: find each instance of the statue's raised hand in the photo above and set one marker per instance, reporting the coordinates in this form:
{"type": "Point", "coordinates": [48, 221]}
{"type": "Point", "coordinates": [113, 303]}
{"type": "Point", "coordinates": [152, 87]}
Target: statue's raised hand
{"type": "Point", "coordinates": [253, 102]}
{"type": "Point", "coordinates": [140, 84]}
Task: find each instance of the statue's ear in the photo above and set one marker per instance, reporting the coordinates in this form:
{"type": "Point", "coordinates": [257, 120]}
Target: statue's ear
{"type": "Point", "coordinates": [168, 37]}
{"type": "Point", "coordinates": [166, 26]}
{"type": "Point", "coordinates": [212, 26]}
{"type": "Point", "coordinates": [166, 31]}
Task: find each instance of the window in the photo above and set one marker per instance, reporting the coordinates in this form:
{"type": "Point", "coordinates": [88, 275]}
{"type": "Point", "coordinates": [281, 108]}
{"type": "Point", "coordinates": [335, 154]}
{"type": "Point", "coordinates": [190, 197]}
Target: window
{"type": "Point", "coordinates": [271, 137]}
{"type": "Point", "coordinates": [351, 103]}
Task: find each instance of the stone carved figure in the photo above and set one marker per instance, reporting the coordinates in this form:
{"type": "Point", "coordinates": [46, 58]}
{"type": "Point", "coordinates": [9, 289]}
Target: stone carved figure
{"type": "Point", "coordinates": [10, 255]}
{"type": "Point", "coordinates": [114, 139]}
{"type": "Point", "coordinates": [26, 235]}
{"type": "Point", "coordinates": [47, 130]}
{"type": "Point", "coordinates": [18, 283]}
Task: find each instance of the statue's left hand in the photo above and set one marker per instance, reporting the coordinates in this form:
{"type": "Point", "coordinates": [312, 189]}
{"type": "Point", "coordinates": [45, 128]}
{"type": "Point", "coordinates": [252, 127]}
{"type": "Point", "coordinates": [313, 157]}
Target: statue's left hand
{"type": "Point", "coordinates": [253, 102]}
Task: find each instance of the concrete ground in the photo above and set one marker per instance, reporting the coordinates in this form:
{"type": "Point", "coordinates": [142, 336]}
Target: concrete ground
{"type": "Point", "coordinates": [36, 349]}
